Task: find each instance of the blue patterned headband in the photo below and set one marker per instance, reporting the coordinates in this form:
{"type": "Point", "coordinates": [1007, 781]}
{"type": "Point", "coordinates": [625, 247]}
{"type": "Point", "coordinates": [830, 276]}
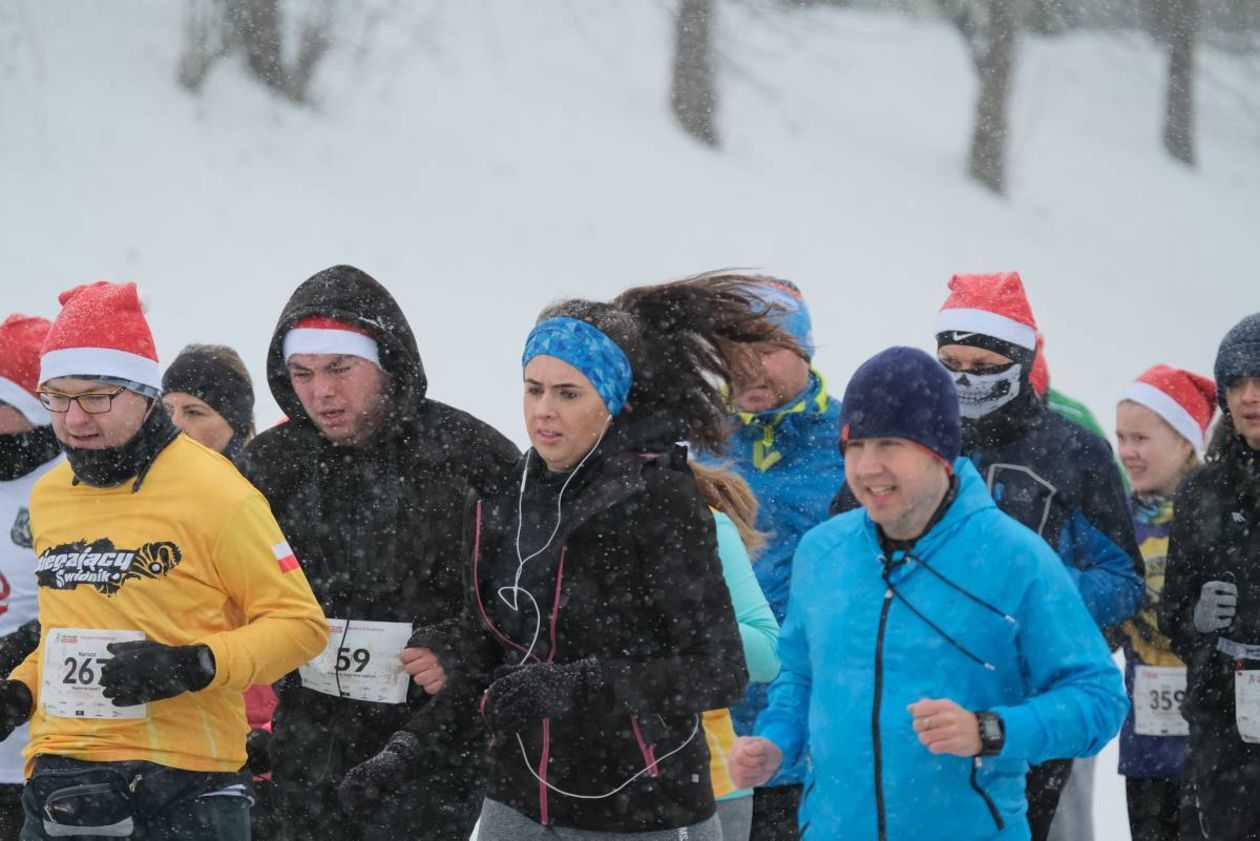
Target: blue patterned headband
{"type": "Point", "coordinates": [584, 347]}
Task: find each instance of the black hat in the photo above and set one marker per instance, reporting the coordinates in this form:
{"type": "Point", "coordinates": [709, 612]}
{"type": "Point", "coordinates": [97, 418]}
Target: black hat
{"type": "Point", "coordinates": [903, 392]}
{"type": "Point", "coordinates": [1238, 355]}
{"type": "Point", "coordinates": [207, 377]}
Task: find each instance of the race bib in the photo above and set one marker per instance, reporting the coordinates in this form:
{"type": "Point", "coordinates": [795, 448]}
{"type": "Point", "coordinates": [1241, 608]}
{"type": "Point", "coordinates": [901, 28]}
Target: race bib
{"type": "Point", "coordinates": [361, 662]}
{"type": "Point", "coordinates": [71, 687]}
{"type": "Point", "coordinates": [1157, 695]}
{"type": "Point", "coordinates": [1247, 704]}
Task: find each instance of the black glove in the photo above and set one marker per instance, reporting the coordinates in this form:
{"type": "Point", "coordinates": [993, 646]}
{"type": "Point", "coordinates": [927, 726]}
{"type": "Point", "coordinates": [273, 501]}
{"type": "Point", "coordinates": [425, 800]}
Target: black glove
{"type": "Point", "coordinates": [524, 694]}
{"type": "Point", "coordinates": [16, 705]}
{"type": "Point", "coordinates": [145, 671]}
{"type": "Point", "coordinates": [365, 784]}
{"type": "Point", "coordinates": [16, 646]}
{"type": "Point", "coordinates": [258, 751]}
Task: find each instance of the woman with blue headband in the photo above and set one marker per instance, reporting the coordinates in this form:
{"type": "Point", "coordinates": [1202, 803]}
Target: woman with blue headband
{"type": "Point", "coordinates": [599, 627]}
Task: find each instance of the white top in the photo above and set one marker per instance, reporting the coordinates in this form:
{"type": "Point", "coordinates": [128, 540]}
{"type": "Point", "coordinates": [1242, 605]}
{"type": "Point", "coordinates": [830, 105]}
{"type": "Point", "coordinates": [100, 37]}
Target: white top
{"type": "Point", "coordinates": [18, 602]}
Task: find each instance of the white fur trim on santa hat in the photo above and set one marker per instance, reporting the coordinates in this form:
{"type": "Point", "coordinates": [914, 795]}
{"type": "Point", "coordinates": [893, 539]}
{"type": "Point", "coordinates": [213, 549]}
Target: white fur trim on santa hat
{"type": "Point", "coordinates": [92, 362]}
{"type": "Point", "coordinates": [958, 319]}
{"type": "Point", "coordinates": [1173, 413]}
{"type": "Point", "coordinates": [25, 402]}
{"type": "Point", "coordinates": [321, 340]}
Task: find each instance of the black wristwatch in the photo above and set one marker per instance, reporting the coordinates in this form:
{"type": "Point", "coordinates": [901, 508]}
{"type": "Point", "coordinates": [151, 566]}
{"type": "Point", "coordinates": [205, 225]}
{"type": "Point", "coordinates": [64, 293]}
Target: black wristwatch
{"type": "Point", "coordinates": [992, 733]}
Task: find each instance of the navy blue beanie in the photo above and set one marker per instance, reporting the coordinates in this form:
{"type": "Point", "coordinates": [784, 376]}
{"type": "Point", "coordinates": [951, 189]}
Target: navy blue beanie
{"type": "Point", "coordinates": [903, 392]}
{"type": "Point", "coordinates": [1238, 355]}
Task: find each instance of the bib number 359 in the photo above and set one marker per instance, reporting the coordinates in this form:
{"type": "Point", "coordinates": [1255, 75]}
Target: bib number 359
{"type": "Point", "coordinates": [1157, 695]}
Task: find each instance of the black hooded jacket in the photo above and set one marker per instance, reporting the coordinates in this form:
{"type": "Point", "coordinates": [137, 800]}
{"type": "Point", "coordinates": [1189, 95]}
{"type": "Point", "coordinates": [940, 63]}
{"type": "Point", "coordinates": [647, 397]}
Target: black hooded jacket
{"type": "Point", "coordinates": [376, 527]}
{"type": "Point", "coordinates": [1216, 537]}
{"type": "Point", "coordinates": [631, 581]}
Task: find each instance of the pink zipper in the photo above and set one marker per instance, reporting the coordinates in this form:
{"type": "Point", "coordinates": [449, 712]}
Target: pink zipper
{"type": "Point", "coordinates": [648, 751]}
{"type": "Point", "coordinates": [542, 771]}
{"type": "Point", "coordinates": [481, 608]}
{"type": "Point", "coordinates": [555, 603]}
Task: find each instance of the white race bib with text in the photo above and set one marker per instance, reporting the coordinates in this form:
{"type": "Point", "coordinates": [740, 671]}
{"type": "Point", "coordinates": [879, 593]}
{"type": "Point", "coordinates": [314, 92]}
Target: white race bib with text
{"type": "Point", "coordinates": [71, 687]}
{"type": "Point", "coordinates": [361, 662]}
{"type": "Point", "coordinates": [1247, 704]}
{"type": "Point", "coordinates": [1157, 695]}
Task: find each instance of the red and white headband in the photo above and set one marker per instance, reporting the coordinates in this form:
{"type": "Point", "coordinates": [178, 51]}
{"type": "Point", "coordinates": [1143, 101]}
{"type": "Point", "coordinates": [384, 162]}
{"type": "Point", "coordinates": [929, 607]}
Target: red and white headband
{"type": "Point", "coordinates": [328, 335]}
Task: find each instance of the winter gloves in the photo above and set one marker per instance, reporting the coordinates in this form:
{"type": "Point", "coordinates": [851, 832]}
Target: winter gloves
{"type": "Point", "coordinates": [16, 706]}
{"type": "Point", "coordinates": [524, 694]}
{"type": "Point", "coordinates": [145, 671]}
{"type": "Point", "coordinates": [364, 784]}
{"type": "Point", "coordinates": [1218, 602]}
{"type": "Point", "coordinates": [258, 751]}
{"type": "Point", "coordinates": [15, 647]}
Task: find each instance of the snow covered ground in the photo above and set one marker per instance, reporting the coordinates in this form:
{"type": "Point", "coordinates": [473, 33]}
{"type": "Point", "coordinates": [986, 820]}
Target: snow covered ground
{"type": "Point", "coordinates": [483, 157]}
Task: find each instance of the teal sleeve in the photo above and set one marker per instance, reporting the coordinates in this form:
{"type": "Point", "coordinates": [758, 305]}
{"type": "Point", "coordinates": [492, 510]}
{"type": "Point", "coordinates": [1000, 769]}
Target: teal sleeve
{"type": "Point", "coordinates": [757, 625]}
{"type": "Point", "coordinates": [785, 720]}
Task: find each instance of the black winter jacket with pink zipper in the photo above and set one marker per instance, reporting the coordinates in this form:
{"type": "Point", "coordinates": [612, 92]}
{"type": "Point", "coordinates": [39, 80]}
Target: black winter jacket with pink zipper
{"type": "Point", "coordinates": [631, 580]}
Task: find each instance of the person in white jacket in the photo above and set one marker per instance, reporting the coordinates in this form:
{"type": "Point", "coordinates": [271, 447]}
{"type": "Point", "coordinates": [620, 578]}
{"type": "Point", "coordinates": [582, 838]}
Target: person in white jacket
{"type": "Point", "coordinates": [28, 449]}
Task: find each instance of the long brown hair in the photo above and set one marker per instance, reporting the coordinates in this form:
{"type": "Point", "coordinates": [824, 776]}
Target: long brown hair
{"type": "Point", "coordinates": [726, 491]}
{"type": "Point", "coordinates": [685, 341]}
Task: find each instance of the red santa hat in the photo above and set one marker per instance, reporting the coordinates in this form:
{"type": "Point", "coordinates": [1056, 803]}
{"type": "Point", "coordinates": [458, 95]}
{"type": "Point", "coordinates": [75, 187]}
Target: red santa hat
{"type": "Point", "coordinates": [101, 332]}
{"type": "Point", "coordinates": [317, 334]}
{"type": "Point", "coordinates": [1184, 400]}
{"type": "Point", "coordinates": [990, 305]}
{"type": "Point", "coordinates": [1040, 374]}
{"type": "Point", "coordinates": [21, 337]}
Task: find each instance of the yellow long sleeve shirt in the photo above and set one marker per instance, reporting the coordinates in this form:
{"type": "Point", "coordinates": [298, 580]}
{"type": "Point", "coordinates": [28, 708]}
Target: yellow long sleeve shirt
{"type": "Point", "coordinates": [193, 556]}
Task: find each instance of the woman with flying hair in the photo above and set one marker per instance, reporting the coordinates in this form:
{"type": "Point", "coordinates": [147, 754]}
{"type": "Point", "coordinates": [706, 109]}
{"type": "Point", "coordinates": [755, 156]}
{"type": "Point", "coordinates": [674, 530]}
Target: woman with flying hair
{"type": "Point", "coordinates": [598, 627]}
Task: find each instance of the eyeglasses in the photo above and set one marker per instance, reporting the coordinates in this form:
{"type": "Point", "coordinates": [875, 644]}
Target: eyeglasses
{"type": "Point", "coordinates": [94, 403]}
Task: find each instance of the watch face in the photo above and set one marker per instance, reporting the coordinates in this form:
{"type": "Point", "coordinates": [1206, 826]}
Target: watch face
{"type": "Point", "coordinates": [990, 730]}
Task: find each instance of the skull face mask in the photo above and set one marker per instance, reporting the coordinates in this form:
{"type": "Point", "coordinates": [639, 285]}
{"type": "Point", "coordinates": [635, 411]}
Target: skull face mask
{"type": "Point", "coordinates": [982, 392]}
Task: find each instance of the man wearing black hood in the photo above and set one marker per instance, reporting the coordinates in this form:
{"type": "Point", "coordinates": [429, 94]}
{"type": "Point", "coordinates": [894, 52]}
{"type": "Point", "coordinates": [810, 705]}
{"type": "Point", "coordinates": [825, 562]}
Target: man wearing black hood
{"type": "Point", "coordinates": [368, 479]}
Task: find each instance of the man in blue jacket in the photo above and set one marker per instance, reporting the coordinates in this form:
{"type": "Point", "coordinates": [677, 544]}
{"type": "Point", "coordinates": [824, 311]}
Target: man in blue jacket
{"type": "Point", "coordinates": [957, 627]}
{"type": "Point", "coordinates": [785, 445]}
{"type": "Point", "coordinates": [1052, 475]}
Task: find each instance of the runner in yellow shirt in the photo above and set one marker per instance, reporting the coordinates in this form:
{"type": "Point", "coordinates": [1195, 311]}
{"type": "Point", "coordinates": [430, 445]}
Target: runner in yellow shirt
{"type": "Point", "coordinates": [165, 589]}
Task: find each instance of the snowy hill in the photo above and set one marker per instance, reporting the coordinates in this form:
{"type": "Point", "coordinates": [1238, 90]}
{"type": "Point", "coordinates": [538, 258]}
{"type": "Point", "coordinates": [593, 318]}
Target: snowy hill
{"type": "Point", "coordinates": [482, 158]}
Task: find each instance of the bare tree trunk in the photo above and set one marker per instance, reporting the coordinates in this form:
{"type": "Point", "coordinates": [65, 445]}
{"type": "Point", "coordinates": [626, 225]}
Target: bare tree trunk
{"type": "Point", "coordinates": [1179, 99]}
{"type": "Point", "coordinates": [213, 28]}
{"type": "Point", "coordinates": [995, 61]}
{"type": "Point", "coordinates": [204, 43]}
{"type": "Point", "coordinates": [694, 97]}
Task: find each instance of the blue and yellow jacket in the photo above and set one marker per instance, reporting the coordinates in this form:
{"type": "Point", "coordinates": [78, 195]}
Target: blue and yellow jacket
{"type": "Point", "coordinates": [982, 612]}
{"type": "Point", "coordinates": [791, 459]}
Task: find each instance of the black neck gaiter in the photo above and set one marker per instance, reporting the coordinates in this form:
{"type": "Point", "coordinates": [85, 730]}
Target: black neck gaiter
{"type": "Point", "coordinates": [1004, 425]}
{"type": "Point", "coordinates": [110, 467]}
{"type": "Point", "coordinates": [22, 452]}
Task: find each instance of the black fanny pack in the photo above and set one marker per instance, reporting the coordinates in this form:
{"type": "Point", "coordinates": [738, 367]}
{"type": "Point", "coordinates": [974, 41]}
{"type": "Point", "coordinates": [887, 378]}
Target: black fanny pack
{"type": "Point", "coordinates": [93, 802]}
{"type": "Point", "coordinates": [105, 799]}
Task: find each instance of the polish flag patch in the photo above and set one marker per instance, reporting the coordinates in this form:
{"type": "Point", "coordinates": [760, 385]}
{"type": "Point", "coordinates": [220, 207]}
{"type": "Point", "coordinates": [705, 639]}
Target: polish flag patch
{"type": "Point", "coordinates": [285, 557]}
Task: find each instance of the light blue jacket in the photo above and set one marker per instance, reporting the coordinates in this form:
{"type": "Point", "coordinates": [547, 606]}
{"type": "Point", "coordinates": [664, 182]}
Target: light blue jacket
{"type": "Point", "coordinates": [791, 459]}
{"type": "Point", "coordinates": [1011, 635]}
{"type": "Point", "coordinates": [757, 626]}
